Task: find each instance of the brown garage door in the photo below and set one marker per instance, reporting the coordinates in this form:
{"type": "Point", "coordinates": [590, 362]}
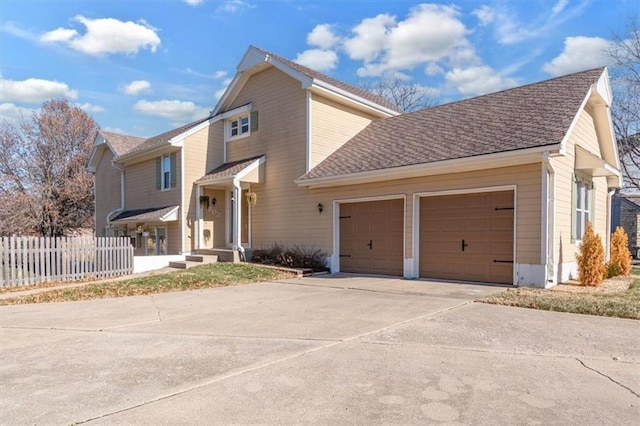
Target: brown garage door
{"type": "Point", "coordinates": [371, 237]}
{"type": "Point", "coordinates": [467, 237]}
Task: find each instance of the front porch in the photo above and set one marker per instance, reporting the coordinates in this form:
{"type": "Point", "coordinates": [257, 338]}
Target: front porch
{"type": "Point", "coordinates": [224, 201]}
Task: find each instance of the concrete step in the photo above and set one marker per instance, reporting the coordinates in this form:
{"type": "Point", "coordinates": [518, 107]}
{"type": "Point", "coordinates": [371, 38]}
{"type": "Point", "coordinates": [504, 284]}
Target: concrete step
{"type": "Point", "coordinates": [185, 264]}
{"type": "Point", "coordinates": [224, 255]}
{"type": "Point", "coordinates": [202, 258]}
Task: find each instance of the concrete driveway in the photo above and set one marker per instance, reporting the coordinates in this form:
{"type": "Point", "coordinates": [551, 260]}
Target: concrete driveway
{"type": "Point", "coordinates": [321, 350]}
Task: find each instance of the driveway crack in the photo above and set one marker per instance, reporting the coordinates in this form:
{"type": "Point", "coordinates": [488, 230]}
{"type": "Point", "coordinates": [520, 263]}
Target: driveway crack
{"type": "Point", "coordinates": [608, 377]}
{"type": "Point", "coordinates": [153, 302]}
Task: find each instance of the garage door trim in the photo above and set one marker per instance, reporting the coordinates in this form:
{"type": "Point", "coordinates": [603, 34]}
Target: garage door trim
{"type": "Point", "coordinates": [416, 218]}
{"type": "Point", "coordinates": [335, 257]}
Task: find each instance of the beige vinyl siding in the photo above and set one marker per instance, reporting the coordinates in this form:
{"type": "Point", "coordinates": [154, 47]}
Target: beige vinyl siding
{"type": "Point", "coordinates": [203, 151]}
{"type": "Point", "coordinates": [583, 135]}
{"type": "Point", "coordinates": [107, 189]}
{"type": "Point", "coordinates": [141, 192]}
{"type": "Point", "coordinates": [281, 104]}
{"type": "Point", "coordinates": [298, 220]}
{"type": "Point", "coordinates": [332, 125]}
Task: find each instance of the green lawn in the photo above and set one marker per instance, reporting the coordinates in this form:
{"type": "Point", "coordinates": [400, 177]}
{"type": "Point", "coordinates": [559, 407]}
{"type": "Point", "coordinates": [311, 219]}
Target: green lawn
{"type": "Point", "coordinates": [205, 276]}
{"type": "Point", "coordinates": [624, 304]}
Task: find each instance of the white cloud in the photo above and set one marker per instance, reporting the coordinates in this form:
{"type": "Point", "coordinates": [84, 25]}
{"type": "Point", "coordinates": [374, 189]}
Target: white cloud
{"type": "Point", "coordinates": [478, 80]}
{"type": "Point", "coordinates": [323, 37]}
{"type": "Point", "coordinates": [433, 69]}
{"type": "Point", "coordinates": [106, 36]}
{"type": "Point", "coordinates": [579, 54]}
{"type": "Point", "coordinates": [12, 112]}
{"type": "Point", "coordinates": [429, 33]}
{"type": "Point", "coordinates": [509, 29]}
{"type": "Point", "coordinates": [559, 7]}
{"type": "Point", "coordinates": [136, 87]}
{"type": "Point", "coordinates": [16, 31]}
{"type": "Point", "coordinates": [218, 94]}
{"type": "Point", "coordinates": [233, 6]}
{"type": "Point", "coordinates": [177, 111]}
{"type": "Point", "coordinates": [319, 60]}
{"type": "Point", "coordinates": [86, 107]}
{"type": "Point", "coordinates": [193, 2]}
{"type": "Point", "coordinates": [34, 90]}
{"type": "Point", "coordinates": [219, 74]}
{"type": "Point", "coordinates": [485, 15]}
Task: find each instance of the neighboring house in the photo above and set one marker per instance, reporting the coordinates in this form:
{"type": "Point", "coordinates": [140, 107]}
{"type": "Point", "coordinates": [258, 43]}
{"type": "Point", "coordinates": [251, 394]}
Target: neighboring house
{"type": "Point", "coordinates": [496, 188]}
{"type": "Point", "coordinates": [626, 213]}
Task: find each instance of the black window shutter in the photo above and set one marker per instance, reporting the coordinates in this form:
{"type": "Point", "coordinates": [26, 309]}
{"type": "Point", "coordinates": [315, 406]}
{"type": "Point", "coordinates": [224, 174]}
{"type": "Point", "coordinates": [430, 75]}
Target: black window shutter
{"type": "Point", "coordinates": [254, 121]}
{"type": "Point", "coordinates": [159, 173]}
{"type": "Point", "coordinates": [174, 172]}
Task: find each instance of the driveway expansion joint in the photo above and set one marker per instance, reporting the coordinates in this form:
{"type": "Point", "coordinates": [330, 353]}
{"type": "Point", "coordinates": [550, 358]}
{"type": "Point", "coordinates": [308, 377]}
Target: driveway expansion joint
{"type": "Point", "coordinates": [608, 377]}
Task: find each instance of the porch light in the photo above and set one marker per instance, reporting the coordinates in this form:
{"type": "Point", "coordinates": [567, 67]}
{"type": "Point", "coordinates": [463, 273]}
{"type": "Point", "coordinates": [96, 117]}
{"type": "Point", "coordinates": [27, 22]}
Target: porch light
{"type": "Point", "coordinates": [214, 201]}
{"type": "Point", "coordinates": [320, 207]}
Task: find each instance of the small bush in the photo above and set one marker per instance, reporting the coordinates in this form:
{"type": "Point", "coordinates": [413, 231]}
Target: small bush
{"type": "Point", "coordinates": [620, 253]}
{"type": "Point", "coordinates": [294, 257]}
{"type": "Point", "coordinates": [591, 267]}
{"type": "Point", "coordinates": [612, 270]}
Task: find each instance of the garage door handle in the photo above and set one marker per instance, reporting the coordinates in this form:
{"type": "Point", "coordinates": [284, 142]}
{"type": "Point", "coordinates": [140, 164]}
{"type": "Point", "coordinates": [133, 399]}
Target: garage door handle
{"type": "Point", "coordinates": [464, 245]}
{"type": "Point", "coordinates": [370, 244]}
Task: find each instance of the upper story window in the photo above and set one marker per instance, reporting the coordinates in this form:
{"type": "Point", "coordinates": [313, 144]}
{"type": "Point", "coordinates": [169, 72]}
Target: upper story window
{"type": "Point", "coordinates": [166, 172]}
{"type": "Point", "coordinates": [239, 126]}
{"type": "Point", "coordinates": [240, 122]}
{"type": "Point", "coordinates": [166, 175]}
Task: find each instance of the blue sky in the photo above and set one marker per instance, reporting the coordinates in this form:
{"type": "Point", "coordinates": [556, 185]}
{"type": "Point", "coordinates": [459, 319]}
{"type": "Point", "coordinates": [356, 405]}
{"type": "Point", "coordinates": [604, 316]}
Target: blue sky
{"type": "Point", "coordinates": [142, 67]}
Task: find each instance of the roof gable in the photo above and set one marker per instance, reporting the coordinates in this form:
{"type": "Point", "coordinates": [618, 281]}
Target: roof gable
{"type": "Point", "coordinates": [531, 116]}
{"type": "Point", "coordinates": [256, 59]}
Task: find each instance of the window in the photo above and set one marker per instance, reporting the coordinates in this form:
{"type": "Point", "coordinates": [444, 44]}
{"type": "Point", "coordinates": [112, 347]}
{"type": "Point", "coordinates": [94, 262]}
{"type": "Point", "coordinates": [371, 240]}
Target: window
{"type": "Point", "coordinates": [239, 126]}
{"type": "Point", "coordinates": [166, 172]}
{"type": "Point", "coordinates": [583, 206]}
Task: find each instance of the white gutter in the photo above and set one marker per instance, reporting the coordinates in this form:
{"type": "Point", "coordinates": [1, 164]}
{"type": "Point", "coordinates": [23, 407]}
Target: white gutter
{"type": "Point", "coordinates": [548, 219]}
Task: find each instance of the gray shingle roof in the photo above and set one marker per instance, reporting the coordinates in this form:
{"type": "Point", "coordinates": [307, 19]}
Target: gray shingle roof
{"type": "Point", "coordinates": [635, 200]}
{"type": "Point", "coordinates": [142, 215]}
{"type": "Point", "coordinates": [529, 116]}
{"type": "Point", "coordinates": [165, 137]}
{"type": "Point", "coordinates": [358, 91]}
{"type": "Point", "coordinates": [121, 144]}
{"type": "Point", "coordinates": [228, 170]}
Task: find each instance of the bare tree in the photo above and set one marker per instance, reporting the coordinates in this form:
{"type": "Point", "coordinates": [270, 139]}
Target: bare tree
{"type": "Point", "coordinates": [408, 97]}
{"type": "Point", "coordinates": [625, 73]}
{"type": "Point", "coordinates": [45, 188]}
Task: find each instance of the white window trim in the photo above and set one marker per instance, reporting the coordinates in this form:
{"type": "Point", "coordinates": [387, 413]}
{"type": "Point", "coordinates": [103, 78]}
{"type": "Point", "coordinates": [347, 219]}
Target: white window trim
{"type": "Point", "coordinates": [163, 171]}
{"type": "Point", "coordinates": [583, 211]}
{"type": "Point", "coordinates": [238, 118]}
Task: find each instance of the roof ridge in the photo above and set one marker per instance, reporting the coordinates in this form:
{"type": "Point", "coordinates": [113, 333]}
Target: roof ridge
{"type": "Point", "coordinates": [313, 74]}
{"type": "Point", "coordinates": [601, 69]}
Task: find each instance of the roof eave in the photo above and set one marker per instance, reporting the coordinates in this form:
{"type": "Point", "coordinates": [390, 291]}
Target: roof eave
{"type": "Point", "coordinates": [467, 164]}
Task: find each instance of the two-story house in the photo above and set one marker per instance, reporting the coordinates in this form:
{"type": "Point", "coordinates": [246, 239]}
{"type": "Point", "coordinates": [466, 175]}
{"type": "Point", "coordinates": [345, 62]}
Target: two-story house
{"type": "Point", "coordinates": [496, 188]}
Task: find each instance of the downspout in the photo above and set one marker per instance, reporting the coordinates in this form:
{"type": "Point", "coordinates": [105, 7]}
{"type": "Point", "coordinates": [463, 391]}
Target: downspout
{"type": "Point", "coordinates": [121, 208]}
{"type": "Point", "coordinates": [609, 203]}
{"type": "Point", "coordinates": [548, 219]}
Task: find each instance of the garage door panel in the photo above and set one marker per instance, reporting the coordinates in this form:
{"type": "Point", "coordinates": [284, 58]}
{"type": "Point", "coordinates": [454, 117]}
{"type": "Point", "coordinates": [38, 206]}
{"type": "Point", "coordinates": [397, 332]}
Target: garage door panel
{"type": "Point", "coordinates": [483, 220]}
{"type": "Point", "coordinates": [371, 238]}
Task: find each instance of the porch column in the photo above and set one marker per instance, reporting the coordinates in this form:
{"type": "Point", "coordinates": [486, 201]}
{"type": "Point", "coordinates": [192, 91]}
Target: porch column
{"type": "Point", "coordinates": [199, 215]}
{"type": "Point", "coordinates": [237, 214]}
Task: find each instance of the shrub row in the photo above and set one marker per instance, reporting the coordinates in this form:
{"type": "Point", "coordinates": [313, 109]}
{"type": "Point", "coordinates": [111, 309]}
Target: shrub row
{"type": "Point", "coordinates": [291, 257]}
{"type": "Point", "coordinates": [592, 269]}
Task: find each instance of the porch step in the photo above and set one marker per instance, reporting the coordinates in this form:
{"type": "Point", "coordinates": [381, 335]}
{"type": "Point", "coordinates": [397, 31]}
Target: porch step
{"type": "Point", "coordinates": [202, 258]}
{"type": "Point", "coordinates": [193, 260]}
{"type": "Point", "coordinates": [223, 255]}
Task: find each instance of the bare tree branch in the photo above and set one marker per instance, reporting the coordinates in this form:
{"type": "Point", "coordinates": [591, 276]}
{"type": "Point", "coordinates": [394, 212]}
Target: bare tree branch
{"type": "Point", "coordinates": [407, 97]}
{"type": "Point", "coordinates": [44, 187]}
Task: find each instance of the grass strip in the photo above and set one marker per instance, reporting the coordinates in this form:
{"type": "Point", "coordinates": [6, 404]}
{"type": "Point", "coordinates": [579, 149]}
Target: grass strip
{"type": "Point", "coordinates": [625, 304]}
{"type": "Point", "coordinates": [205, 276]}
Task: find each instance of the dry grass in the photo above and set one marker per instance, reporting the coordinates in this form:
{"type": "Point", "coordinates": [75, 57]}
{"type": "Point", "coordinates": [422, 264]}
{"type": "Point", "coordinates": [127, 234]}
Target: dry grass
{"type": "Point", "coordinates": [206, 276]}
{"type": "Point", "coordinates": [616, 297]}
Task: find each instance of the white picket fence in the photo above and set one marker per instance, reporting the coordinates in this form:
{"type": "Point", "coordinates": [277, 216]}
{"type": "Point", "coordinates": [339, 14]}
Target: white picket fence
{"type": "Point", "coordinates": [34, 260]}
